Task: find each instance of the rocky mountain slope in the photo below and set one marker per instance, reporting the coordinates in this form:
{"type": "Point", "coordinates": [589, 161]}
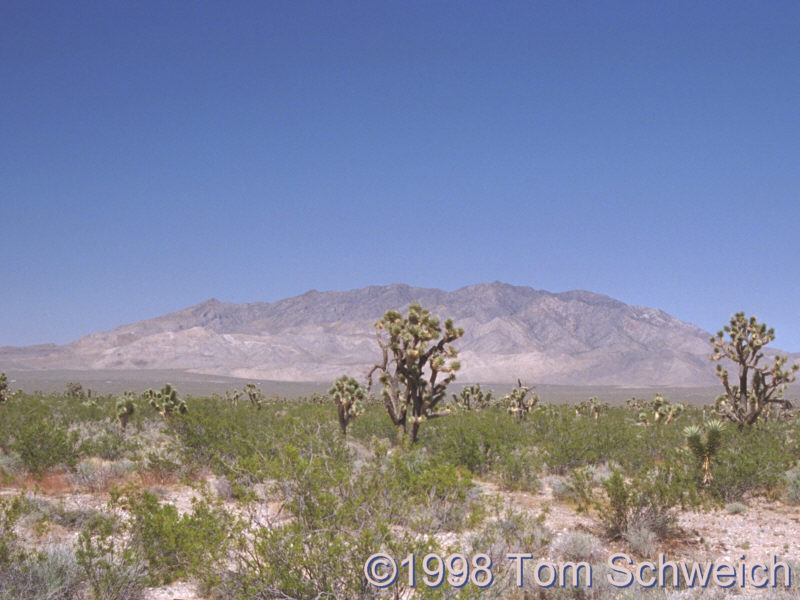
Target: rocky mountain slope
{"type": "Point", "coordinates": [575, 338]}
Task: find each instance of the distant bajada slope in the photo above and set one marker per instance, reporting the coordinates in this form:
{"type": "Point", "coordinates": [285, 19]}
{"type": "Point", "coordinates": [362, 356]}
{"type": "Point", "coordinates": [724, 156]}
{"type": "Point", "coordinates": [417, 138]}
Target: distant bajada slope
{"type": "Point", "coordinates": [569, 338]}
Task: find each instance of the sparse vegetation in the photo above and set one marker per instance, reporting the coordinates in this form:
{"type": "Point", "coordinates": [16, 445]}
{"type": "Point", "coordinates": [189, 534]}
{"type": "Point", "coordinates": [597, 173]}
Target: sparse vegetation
{"type": "Point", "coordinates": [275, 500]}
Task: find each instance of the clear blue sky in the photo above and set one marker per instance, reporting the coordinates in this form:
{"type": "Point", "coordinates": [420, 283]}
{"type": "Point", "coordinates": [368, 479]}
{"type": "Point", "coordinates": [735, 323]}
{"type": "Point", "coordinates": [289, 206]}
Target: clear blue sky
{"type": "Point", "coordinates": [156, 154]}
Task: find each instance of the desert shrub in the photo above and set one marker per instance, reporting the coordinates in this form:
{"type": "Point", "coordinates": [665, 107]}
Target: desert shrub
{"type": "Point", "coordinates": [793, 486]}
{"type": "Point", "coordinates": [161, 467]}
{"type": "Point", "coordinates": [43, 444]}
{"type": "Point", "coordinates": [335, 513]}
{"type": "Point", "coordinates": [569, 442]}
{"type": "Point", "coordinates": [42, 509]}
{"type": "Point", "coordinates": [52, 574]}
{"type": "Point", "coordinates": [106, 441]}
{"type": "Point", "coordinates": [111, 565]}
{"type": "Point", "coordinates": [506, 533]}
{"type": "Point", "coordinates": [374, 425]}
{"type": "Point", "coordinates": [647, 501]}
{"type": "Point", "coordinates": [559, 487]}
{"type": "Point", "coordinates": [519, 470]}
{"type": "Point", "coordinates": [642, 540]}
{"type": "Point", "coordinates": [11, 509]}
{"type": "Point", "coordinates": [578, 546]}
{"type": "Point", "coordinates": [173, 545]}
{"type": "Point", "coordinates": [477, 441]}
{"type": "Point", "coordinates": [10, 464]}
{"type": "Point", "coordinates": [735, 508]}
{"type": "Point", "coordinates": [751, 462]}
{"type": "Point", "coordinates": [580, 488]}
{"type": "Point", "coordinates": [97, 475]}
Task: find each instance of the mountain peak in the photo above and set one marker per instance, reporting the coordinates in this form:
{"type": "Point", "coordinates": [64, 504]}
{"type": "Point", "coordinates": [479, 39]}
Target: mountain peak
{"type": "Point", "coordinates": [575, 337]}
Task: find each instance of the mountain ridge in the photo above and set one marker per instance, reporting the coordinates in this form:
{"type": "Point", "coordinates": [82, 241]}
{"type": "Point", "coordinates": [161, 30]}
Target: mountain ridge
{"type": "Point", "coordinates": [575, 337]}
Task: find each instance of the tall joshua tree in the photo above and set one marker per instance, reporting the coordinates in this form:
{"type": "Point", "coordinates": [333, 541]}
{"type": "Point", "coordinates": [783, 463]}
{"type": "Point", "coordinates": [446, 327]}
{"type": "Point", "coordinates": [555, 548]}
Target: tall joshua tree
{"type": "Point", "coordinates": [757, 384]}
{"type": "Point", "coordinates": [415, 352]}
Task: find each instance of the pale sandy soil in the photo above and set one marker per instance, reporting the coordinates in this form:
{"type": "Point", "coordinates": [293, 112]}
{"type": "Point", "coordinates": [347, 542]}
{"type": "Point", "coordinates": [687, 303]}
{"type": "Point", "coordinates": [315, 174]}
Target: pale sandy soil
{"type": "Point", "coordinates": [766, 529]}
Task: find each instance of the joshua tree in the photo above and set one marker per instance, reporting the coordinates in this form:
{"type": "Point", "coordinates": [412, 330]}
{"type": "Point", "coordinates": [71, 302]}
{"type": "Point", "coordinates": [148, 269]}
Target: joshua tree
{"type": "Point", "coordinates": [255, 395]}
{"type": "Point", "coordinates": [125, 409]}
{"type": "Point", "coordinates": [232, 398]}
{"type": "Point", "coordinates": [349, 396]}
{"type": "Point", "coordinates": [705, 448]}
{"type": "Point", "coordinates": [664, 411]}
{"type": "Point", "coordinates": [166, 402]}
{"type": "Point", "coordinates": [473, 398]}
{"type": "Point", "coordinates": [591, 407]}
{"type": "Point", "coordinates": [3, 388]}
{"type": "Point", "coordinates": [757, 385]}
{"type": "Point", "coordinates": [519, 404]}
{"type": "Point", "coordinates": [73, 389]}
{"type": "Point", "coordinates": [414, 353]}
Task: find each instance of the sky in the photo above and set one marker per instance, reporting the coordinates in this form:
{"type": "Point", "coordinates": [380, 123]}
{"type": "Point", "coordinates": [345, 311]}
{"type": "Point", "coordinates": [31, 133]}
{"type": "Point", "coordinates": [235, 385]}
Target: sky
{"type": "Point", "coordinates": [157, 154]}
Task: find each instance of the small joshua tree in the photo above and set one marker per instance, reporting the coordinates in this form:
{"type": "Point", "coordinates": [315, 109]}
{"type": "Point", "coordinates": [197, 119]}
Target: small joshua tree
{"type": "Point", "coordinates": [705, 448]}
{"type": "Point", "coordinates": [473, 398]}
{"type": "Point", "coordinates": [73, 389]}
{"type": "Point", "coordinates": [3, 388]}
{"type": "Point", "coordinates": [233, 397]}
{"type": "Point", "coordinates": [349, 396]}
{"type": "Point", "coordinates": [255, 395]}
{"type": "Point", "coordinates": [125, 409]}
{"type": "Point", "coordinates": [166, 402]}
{"type": "Point", "coordinates": [757, 384]}
{"type": "Point", "coordinates": [518, 402]}
{"type": "Point", "coordinates": [664, 412]}
{"type": "Point", "coordinates": [415, 352]}
{"type": "Point", "coordinates": [591, 408]}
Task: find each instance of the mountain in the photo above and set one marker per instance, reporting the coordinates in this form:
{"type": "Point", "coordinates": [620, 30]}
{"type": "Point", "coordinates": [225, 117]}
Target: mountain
{"type": "Point", "coordinates": [575, 338]}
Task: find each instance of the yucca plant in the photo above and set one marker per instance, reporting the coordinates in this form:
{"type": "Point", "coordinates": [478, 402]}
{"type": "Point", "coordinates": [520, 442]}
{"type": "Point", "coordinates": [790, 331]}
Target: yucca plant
{"type": "Point", "coordinates": [472, 397]}
{"type": "Point", "coordinates": [664, 412]}
{"type": "Point", "coordinates": [255, 395]}
{"type": "Point", "coordinates": [415, 353]}
{"type": "Point", "coordinates": [591, 408]}
{"type": "Point", "coordinates": [518, 401]}
{"type": "Point", "coordinates": [125, 409]}
{"type": "Point", "coordinates": [705, 447]}
{"type": "Point", "coordinates": [233, 397]}
{"type": "Point", "coordinates": [757, 385]}
{"type": "Point", "coordinates": [3, 388]}
{"type": "Point", "coordinates": [166, 402]}
{"type": "Point", "coordinates": [349, 396]}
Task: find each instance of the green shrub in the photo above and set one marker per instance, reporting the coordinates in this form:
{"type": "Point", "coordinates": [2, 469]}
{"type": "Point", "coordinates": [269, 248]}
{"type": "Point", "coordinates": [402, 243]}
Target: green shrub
{"type": "Point", "coordinates": [578, 546]}
{"type": "Point", "coordinates": [793, 486]}
{"type": "Point", "coordinates": [43, 444]}
{"type": "Point", "coordinates": [519, 470]}
{"type": "Point", "coordinates": [174, 545]}
{"type": "Point", "coordinates": [735, 508]}
{"type": "Point", "coordinates": [111, 565]}
{"type": "Point", "coordinates": [753, 461]}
